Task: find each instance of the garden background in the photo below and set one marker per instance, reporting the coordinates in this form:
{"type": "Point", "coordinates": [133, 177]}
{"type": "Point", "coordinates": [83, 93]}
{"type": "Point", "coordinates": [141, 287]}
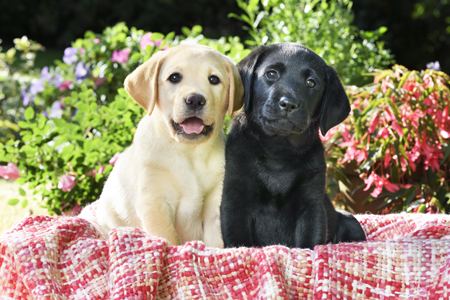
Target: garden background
{"type": "Point", "coordinates": [65, 117]}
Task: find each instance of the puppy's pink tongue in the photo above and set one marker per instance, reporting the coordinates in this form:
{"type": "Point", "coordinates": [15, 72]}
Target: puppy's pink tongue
{"type": "Point", "coordinates": [192, 125]}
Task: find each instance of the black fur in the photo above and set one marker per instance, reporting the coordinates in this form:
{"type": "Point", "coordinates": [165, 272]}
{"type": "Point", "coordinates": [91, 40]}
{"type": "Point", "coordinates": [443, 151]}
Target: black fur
{"type": "Point", "coordinates": [274, 189]}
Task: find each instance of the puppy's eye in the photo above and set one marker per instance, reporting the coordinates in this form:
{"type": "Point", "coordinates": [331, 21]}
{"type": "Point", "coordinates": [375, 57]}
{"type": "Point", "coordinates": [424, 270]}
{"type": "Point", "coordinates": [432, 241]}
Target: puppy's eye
{"type": "Point", "coordinates": [310, 83]}
{"type": "Point", "coordinates": [175, 78]}
{"type": "Point", "coordinates": [214, 80]}
{"type": "Point", "coordinates": [272, 74]}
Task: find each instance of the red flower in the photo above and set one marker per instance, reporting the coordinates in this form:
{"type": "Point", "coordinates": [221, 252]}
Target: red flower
{"type": "Point", "coordinates": [397, 128]}
{"type": "Point", "coordinates": [380, 183]}
{"type": "Point", "coordinates": [373, 124]}
{"type": "Point", "coordinates": [383, 133]}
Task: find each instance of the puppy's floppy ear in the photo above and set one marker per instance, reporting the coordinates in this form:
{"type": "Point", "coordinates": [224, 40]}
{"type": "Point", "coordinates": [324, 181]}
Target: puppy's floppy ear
{"type": "Point", "coordinates": [236, 90]}
{"type": "Point", "coordinates": [246, 68]}
{"type": "Point", "coordinates": [335, 105]}
{"type": "Point", "coordinates": [142, 83]}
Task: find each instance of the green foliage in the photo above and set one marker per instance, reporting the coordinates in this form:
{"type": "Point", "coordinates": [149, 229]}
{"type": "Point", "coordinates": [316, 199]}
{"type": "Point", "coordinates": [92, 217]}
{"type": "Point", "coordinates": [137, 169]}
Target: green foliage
{"type": "Point", "coordinates": [81, 147]}
{"type": "Point", "coordinates": [397, 137]}
{"type": "Point", "coordinates": [324, 27]}
{"type": "Point", "coordinates": [16, 72]}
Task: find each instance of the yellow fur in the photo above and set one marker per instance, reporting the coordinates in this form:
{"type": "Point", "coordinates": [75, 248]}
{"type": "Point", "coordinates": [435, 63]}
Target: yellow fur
{"type": "Point", "coordinates": [167, 185]}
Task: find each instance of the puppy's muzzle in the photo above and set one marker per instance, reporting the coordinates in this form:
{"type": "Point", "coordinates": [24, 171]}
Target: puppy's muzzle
{"type": "Point", "coordinates": [287, 105]}
{"type": "Point", "coordinates": [195, 101]}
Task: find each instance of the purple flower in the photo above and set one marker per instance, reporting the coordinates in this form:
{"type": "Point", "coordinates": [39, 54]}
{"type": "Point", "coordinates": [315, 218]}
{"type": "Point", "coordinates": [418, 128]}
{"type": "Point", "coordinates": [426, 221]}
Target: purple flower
{"type": "Point", "coordinates": [434, 66]}
{"type": "Point", "coordinates": [70, 55]}
{"type": "Point", "coordinates": [57, 110]}
{"type": "Point", "coordinates": [81, 72]}
{"type": "Point", "coordinates": [120, 56]}
{"type": "Point", "coordinates": [57, 81]}
{"type": "Point", "coordinates": [45, 74]}
{"type": "Point", "coordinates": [26, 98]}
{"type": "Point", "coordinates": [37, 86]}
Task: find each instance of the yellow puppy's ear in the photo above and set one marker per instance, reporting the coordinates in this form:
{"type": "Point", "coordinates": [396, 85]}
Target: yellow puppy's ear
{"type": "Point", "coordinates": [142, 83]}
{"type": "Point", "coordinates": [236, 92]}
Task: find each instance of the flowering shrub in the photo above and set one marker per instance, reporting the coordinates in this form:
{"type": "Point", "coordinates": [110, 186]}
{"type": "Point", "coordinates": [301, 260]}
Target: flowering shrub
{"type": "Point", "coordinates": [78, 118]}
{"type": "Point", "coordinates": [397, 137]}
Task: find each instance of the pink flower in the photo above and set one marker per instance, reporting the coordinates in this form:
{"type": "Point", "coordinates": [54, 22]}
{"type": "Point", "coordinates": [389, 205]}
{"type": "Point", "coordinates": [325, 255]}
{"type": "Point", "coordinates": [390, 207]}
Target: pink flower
{"type": "Point", "coordinates": [96, 40]}
{"type": "Point", "coordinates": [95, 171]}
{"type": "Point", "coordinates": [383, 133]}
{"type": "Point", "coordinates": [387, 159]}
{"type": "Point", "coordinates": [65, 85]}
{"type": "Point", "coordinates": [76, 210]}
{"type": "Point", "coordinates": [379, 183]}
{"type": "Point", "coordinates": [114, 159]}
{"type": "Point", "coordinates": [397, 128]}
{"type": "Point", "coordinates": [353, 153]}
{"type": "Point", "coordinates": [373, 124]}
{"type": "Point", "coordinates": [146, 40]}
{"type": "Point", "coordinates": [120, 56]}
{"type": "Point", "coordinates": [384, 85]}
{"type": "Point", "coordinates": [9, 172]}
{"type": "Point", "coordinates": [432, 156]}
{"type": "Point", "coordinates": [99, 81]}
{"type": "Point", "coordinates": [66, 183]}
{"type": "Point", "coordinates": [330, 133]}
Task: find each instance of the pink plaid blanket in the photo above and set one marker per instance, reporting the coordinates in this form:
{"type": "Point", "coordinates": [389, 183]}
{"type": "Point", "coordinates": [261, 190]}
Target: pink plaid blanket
{"type": "Point", "coordinates": [406, 257]}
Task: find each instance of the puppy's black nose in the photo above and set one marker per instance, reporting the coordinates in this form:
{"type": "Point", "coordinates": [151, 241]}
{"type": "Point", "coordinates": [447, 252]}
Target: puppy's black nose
{"type": "Point", "coordinates": [287, 104]}
{"type": "Point", "coordinates": [195, 101]}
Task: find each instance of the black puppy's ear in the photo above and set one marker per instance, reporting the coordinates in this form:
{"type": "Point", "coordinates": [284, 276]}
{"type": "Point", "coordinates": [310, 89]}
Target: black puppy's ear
{"type": "Point", "coordinates": [335, 105]}
{"type": "Point", "coordinates": [246, 67]}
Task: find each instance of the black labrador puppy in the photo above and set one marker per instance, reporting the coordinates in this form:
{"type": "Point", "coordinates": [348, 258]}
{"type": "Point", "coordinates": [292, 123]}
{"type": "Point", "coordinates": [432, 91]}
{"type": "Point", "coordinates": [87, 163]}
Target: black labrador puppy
{"type": "Point", "coordinates": [274, 189]}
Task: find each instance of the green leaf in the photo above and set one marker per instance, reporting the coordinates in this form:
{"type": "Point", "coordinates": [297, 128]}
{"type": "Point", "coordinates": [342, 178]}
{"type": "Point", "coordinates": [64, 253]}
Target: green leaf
{"type": "Point", "coordinates": [23, 124]}
{"type": "Point", "coordinates": [422, 208]}
{"type": "Point", "coordinates": [252, 5]}
{"type": "Point", "coordinates": [447, 153]}
{"type": "Point", "coordinates": [122, 92]}
{"type": "Point", "coordinates": [27, 149]}
{"type": "Point", "coordinates": [13, 201]}
{"type": "Point", "coordinates": [156, 36]}
{"type": "Point", "coordinates": [29, 113]}
{"type": "Point", "coordinates": [22, 192]}
{"type": "Point", "coordinates": [186, 31]}
{"type": "Point", "coordinates": [410, 193]}
{"type": "Point", "coordinates": [382, 30]}
{"type": "Point", "coordinates": [233, 15]}
{"type": "Point", "coordinates": [24, 203]}
{"type": "Point", "coordinates": [88, 146]}
{"type": "Point", "coordinates": [394, 174]}
{"type": "Point", "coordinates": [170, 36]}
{"type": "Point", "coordinates": [60, 123]}
{"type": "Point", "coordinates": [197, 29]}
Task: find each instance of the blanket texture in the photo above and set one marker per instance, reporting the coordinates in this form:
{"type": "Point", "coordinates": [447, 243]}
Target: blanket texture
{"type": "Point", "coordinates": [406, 257]}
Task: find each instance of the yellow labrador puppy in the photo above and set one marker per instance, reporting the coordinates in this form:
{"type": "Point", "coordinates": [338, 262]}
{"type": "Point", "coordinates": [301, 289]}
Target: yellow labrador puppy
{"type": "Point", "coordinates": [169, 181]}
